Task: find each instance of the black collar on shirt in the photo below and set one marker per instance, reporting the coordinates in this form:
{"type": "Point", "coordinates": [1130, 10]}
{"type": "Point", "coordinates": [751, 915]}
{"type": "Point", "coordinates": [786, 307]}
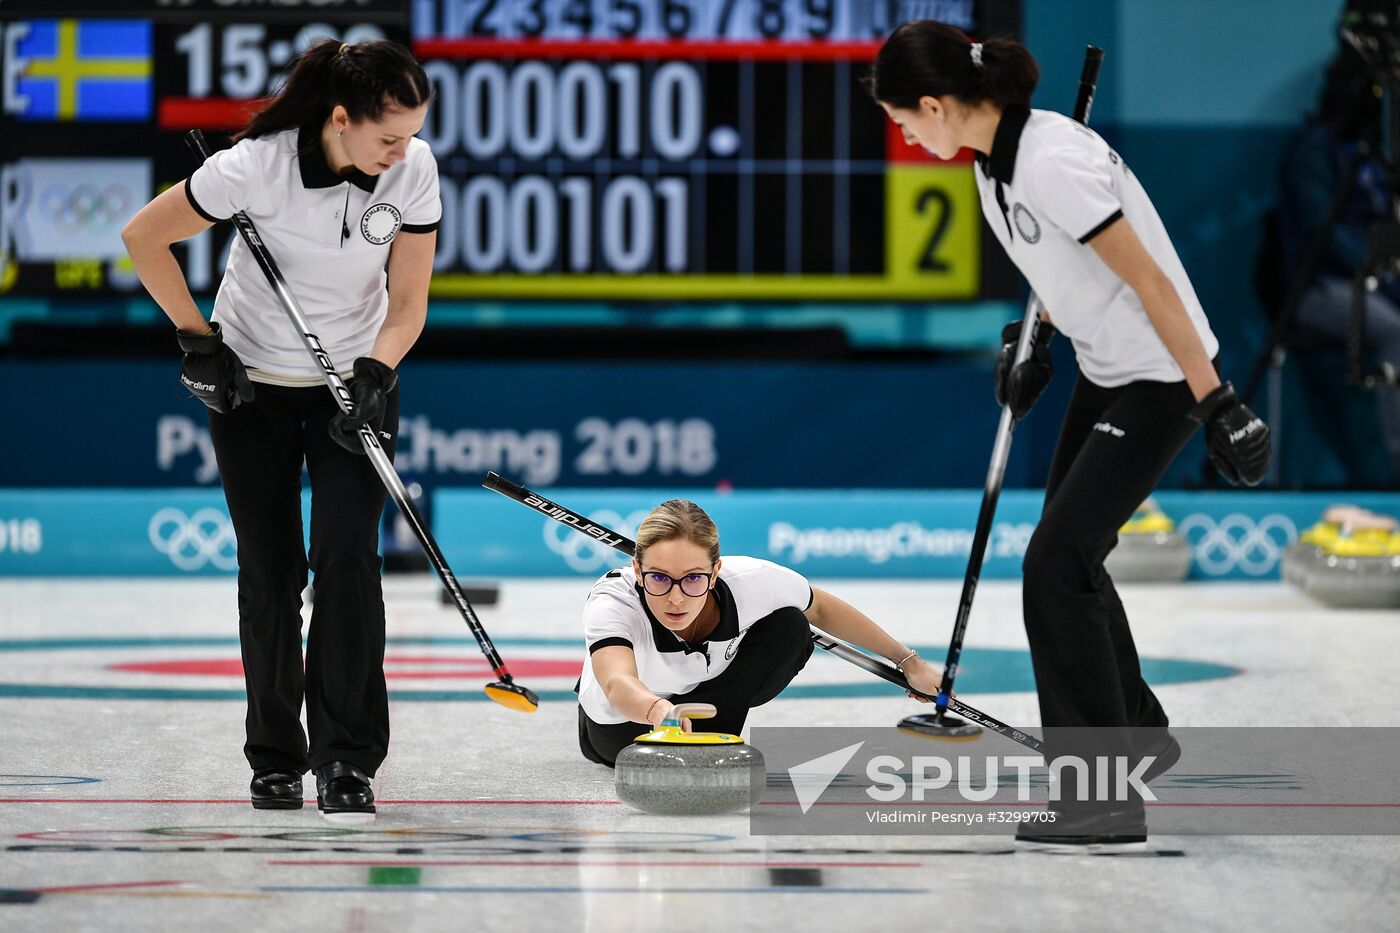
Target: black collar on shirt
{"type": "Point", "coordinates": [728, 626]}
{"type": "Point", "coordinates": [1001, 165]}
{"type": "Point", "coordinates": [316, 169]}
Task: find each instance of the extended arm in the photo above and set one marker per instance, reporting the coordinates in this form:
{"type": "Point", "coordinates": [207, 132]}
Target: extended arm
{"type": "Point", "coordinates": [615, 668]}
{"type": "Point", "coordinates": [839, 618]}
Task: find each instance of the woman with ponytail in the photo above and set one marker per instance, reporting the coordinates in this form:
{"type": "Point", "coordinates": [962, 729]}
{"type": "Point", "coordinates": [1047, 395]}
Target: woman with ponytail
{"type": "Point", "coordinates": [346, 200]}
{"type": "Point", "coordinates": [1083, 231]}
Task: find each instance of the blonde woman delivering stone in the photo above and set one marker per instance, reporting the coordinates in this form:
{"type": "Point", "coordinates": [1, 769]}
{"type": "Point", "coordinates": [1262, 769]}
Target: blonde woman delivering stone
{"type": "Point", "coordinates": [680, 625]}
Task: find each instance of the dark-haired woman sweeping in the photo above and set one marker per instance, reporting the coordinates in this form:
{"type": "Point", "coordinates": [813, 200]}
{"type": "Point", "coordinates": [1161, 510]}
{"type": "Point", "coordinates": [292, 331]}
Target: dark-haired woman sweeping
{"type": "Point", "coordinates": [346, 200]}
{"type": "Point", "coordinates": [1082, 230]}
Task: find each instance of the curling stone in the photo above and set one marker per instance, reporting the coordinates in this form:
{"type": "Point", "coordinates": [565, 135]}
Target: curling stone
{"type": "Point", "coordinates": [1310, 548]}
{"type": "Point", "coordinates": [1361, 569]}
{"type": "Point", "coordinates": [671, 772]}
{"type": "Point", "coordinates": [1150, 550]}
{"type": "Point", "coordinates": [1299, 557]}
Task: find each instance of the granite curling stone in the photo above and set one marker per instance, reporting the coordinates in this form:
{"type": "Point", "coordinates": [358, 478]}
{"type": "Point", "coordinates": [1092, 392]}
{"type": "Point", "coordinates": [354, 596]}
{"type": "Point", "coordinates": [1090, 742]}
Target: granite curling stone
{"type": "Point", "coordinates": [671, 772]}
{"type": "Point", "coordinates": [1310, 548]}
{"type": "Point", "coordinates": [1150, 550]}
{"type": "Point", "coordinates": [1361, 569]}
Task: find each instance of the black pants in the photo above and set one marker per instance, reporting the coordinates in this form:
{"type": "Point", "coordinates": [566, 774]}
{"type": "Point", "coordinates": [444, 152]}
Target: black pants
{"type": "Point", "coordinates": [769, 657]}
{"type": "Point", "coordinates": [260, 447]}
{"type": "Point", "coordinates": [1114, 446]}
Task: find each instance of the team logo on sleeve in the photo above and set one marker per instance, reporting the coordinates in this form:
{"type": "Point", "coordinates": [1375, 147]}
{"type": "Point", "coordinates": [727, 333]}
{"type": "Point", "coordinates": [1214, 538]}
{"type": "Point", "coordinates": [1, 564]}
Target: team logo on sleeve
{"type": "Point", "coordinates": [380, 223]}
{"type": "Point", "coordinates": [1026, 223]}
{"type": "Point", "coordinates": [734, 644]}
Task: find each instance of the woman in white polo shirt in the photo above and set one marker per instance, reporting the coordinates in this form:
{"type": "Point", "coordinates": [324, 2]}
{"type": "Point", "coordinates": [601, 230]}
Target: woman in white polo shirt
{"type": "Point", "coordinates": [698, 629]}
{"type": "Point", "coordinates": [346, 200]}
{"type": "Point", "coordinates": [1082, 230]}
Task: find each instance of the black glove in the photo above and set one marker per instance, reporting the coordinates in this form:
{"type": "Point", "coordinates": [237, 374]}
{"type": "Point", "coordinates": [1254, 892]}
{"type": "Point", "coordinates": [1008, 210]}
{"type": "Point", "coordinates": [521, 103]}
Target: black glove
{"type": "Point", "coordinates": [212, 371]}
{"type": "Point", "coordinates": [372, 381]}
{"type": "Point", "coordinates": [1021, 385]}
{"type": "Point", "coordinates": [1237, 439]}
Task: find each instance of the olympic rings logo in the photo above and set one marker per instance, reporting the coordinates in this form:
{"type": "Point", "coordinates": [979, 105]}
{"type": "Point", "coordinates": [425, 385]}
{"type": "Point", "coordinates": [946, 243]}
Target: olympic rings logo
{"type": "Point", "coordinates": [1238, 542]}
{"type": "Point", "coordinates": [586, 554]}
{"type": "Point", "coordinates": [194, 541]}
{"type": "Point", "coordinates": [85, 207]}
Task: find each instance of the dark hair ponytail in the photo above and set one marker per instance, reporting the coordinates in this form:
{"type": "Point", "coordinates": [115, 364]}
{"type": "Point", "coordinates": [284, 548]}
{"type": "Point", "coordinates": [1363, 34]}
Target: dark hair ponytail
{"type": "Point", "coordinates": [364, 78]}
{"type": "Point", "coordinates": [926, 58]}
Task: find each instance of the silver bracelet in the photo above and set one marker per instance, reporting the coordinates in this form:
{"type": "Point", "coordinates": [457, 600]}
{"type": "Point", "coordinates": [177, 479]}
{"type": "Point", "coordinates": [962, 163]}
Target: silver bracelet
{"type": "Point", "coordinates": [899, 665]}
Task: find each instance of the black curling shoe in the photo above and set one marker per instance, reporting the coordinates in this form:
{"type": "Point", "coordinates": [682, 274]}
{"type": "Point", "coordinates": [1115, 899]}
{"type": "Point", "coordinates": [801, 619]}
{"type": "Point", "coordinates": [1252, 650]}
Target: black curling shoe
{"type": "Point", "coordinates": [1094, 832]}
{"type": "Point", "coordinates": [343, 794]}
{"type": "Point", "coordinates": [1166, 753]}
{"type": "Point", "coordinates": [276, 789]}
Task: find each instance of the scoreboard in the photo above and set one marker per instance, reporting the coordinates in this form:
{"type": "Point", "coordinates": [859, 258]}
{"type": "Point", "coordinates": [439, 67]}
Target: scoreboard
{"type": "Point", "coordinates": [649, 150]}
{"type": "Point", "coordinates": [95, 98]}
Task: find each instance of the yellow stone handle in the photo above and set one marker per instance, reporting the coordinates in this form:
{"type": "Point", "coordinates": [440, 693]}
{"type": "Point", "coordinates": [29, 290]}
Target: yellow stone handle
{"type": "Point", "coordinates": [689, 711]}
{"type": "Point", "coordinates": [1368, 524]}
{"type": "Point", "coordinates": [1339, 513]}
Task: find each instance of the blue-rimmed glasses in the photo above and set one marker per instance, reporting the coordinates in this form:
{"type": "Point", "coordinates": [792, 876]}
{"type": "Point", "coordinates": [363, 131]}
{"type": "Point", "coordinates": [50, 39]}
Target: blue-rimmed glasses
{"type": "Point", "coordinates": [692, 584]}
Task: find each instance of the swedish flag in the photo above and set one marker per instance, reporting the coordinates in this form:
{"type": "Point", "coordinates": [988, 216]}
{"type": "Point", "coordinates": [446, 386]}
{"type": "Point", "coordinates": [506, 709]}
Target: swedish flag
{"type": "Point", "coordinates": [85, 70]}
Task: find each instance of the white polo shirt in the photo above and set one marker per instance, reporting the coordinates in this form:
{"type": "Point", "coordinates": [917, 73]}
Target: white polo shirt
{"type": "Point", "coordinates": [330, 235]}
{"type": "Point", "coordinates": [1049, 187]}
{"type": "Point", "coordinates": [748, 589]}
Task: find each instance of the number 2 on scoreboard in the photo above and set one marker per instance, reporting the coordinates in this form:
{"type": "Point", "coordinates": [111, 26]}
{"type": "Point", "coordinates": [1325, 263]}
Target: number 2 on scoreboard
{"type": "Point", "coordinates": [935, 202]}
{"type": "Point", "coordinates": [932, 227]}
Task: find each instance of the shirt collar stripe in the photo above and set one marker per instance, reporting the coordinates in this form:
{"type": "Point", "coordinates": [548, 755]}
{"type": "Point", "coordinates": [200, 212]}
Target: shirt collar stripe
{"type": "Point", "coordinates": [316, 168]}
{"type": "Point", "coordinates": [1006, 143]}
